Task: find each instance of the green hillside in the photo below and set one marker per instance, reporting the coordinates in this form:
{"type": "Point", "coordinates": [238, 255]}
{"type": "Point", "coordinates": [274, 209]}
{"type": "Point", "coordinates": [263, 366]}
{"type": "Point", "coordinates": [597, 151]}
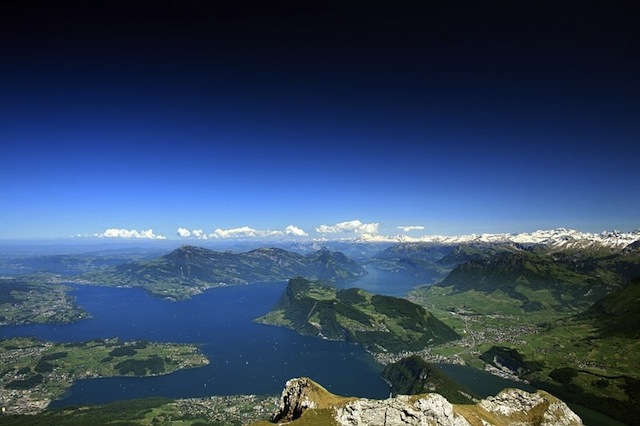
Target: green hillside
{"type": "Point", "coordinates": [380, 323]}
{"type": "Point", "coordinates": [533, 280]}
{"type": "Point", "coordinates": [618, 313]}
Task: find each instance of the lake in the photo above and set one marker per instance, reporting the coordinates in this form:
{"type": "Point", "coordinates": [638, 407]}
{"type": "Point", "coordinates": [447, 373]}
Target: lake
{"type": "Point", "coordinates": [384, 282]}
{"type": "Point", "coordinates": [246, 357]}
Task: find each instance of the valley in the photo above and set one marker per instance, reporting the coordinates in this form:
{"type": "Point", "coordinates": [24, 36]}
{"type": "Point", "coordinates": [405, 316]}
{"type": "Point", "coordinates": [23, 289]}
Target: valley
{"type": "Point", "coordinates": [559, 313]}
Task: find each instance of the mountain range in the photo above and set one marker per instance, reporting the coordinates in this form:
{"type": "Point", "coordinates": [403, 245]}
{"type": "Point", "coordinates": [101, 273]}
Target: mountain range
{"type": "Point", "coordinates": [559, 237]}
{"type": "Point", "coordinates": [188, 270]}
{"type": "Point", "coordinates": [541, 276]}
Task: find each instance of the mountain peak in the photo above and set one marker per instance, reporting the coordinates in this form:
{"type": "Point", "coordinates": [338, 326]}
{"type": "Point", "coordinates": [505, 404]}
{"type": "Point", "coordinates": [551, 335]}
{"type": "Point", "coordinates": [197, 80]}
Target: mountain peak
{"type": "Point", "coordinates": [554, 237]}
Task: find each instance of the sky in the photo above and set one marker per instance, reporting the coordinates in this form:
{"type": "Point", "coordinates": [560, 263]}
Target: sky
{"type": "Point", "coordinates": [194, 119]}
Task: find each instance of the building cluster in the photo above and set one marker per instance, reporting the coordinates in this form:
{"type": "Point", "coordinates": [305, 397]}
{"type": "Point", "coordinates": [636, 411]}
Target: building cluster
{"type": "Point", "coordinates": [243, 409]}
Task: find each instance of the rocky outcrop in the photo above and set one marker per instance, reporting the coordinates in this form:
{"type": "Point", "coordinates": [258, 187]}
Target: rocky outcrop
{"type": "Point", "coordinates": [509, 407]}
{"type": "Point", "coordinates": [432, 409]}
{"type": "Point", "coordinates": [515, 406]}
{"type": "Point", "coordinates": [294, 400]}
{"type": "Point", "coordinates": [302, 394]}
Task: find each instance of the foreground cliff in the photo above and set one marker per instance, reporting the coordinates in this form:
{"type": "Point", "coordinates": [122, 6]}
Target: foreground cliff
{"type": "Point", "coordinates": [304, 402]}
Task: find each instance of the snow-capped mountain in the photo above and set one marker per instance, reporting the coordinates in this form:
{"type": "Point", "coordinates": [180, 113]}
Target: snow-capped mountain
{"type": "Point", "coordinates": [560, 238]}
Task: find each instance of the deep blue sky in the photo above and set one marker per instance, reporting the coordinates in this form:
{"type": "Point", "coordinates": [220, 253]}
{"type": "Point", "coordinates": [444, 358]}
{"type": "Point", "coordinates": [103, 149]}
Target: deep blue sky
{"type": "Point", "coordinates": [465, 117]}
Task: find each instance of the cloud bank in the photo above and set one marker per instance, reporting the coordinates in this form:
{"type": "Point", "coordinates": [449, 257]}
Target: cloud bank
{"type": "Point", "coordinates": [348, 229]}
{"type": "Point", "coordinates": [129, 233]}
{"type": "Point", "coordinates": [196, 233]}
{"type": "Point", "coordinates": [351, 226]}
{"type": "Point", "coordinates": [241, 232]}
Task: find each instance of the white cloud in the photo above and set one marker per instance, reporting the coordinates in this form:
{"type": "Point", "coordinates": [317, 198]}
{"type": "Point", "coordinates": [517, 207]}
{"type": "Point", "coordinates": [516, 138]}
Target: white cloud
{"type": "Point", "coordinates": [411, 228]}
{"type": "Point", "coordinates": [196, 233]}
{"type": "Point", "coordinates": [294, 230]}
{"type": "Point", "coordinates": [248, 232]}
{"type": "Point", "coordinates": [129, 233]}
{"type": "Point", "coordinates": [199, 234]}
{"type": "Point", "coordinates": [350, 226]}
{"type": "Point", "coordinates": [243, 231]}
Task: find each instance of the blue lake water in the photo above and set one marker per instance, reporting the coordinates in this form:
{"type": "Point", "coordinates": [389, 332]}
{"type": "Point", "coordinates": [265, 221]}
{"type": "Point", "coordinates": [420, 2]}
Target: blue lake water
{"type": "Point", "coordinates": [246, 357]}
{"type": "Point", "coordinates": [384, 282]}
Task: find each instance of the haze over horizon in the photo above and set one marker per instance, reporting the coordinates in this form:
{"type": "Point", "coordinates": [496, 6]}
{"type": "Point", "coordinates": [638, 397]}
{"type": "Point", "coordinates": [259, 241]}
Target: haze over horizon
{"type": "Point", "coordinates": [184, 119]}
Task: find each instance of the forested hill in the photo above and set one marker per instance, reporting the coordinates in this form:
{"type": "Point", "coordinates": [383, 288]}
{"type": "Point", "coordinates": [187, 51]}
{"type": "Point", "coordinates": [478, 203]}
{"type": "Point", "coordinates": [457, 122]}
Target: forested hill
{"type": "Point", "coordinates": [380, 323]}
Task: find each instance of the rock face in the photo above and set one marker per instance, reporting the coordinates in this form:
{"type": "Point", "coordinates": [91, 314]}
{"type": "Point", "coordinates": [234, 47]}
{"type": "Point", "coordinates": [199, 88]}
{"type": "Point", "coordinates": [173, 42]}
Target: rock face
{"type": "Point", "coordinates": [433, 409]}
{"type": "Point", "coordinates": [509, 407]}
{"type": "Point", "coordinates": [295, 398]}
{"type": "Point", "coordinates": [515, 406]}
